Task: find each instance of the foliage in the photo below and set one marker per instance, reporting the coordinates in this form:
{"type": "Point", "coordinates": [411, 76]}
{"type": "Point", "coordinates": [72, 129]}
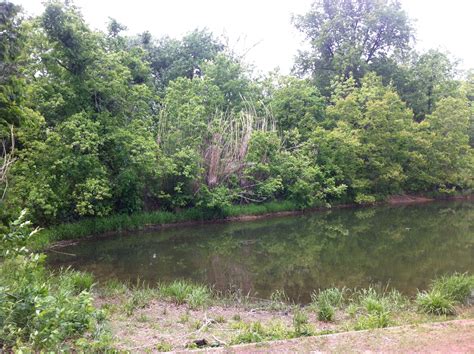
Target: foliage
{"type": "Point", "coordinates": [373, 320]}
{"type": "Point", "coordinates": [457, 287]}
{"type": "Point", "coordinates": [326, 312]}
{"type": "Point", "coordinates": [115, 131]}
{"type": "Point", "coordinates": [39, 310]}
{"type": "Point", "coordinates": [346, 37]}
{"type": "Point", "coordinates": [435, 302]}
{"type": "Point", "coordinates": [182, 292]}
{"type": "Point", "coordinates": [331, 296]}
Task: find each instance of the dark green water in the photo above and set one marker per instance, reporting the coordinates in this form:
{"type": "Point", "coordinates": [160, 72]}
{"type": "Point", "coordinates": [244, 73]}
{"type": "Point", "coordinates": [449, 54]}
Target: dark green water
{"type": "Point", "coordinates": [402, 246]}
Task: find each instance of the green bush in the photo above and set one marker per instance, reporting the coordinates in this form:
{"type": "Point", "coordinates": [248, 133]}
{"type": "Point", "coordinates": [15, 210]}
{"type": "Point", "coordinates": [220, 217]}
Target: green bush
{"type": "Point", "coordinates": [435, 302]}
{"type": "Point", "coordinates": [77, 281]}
{"type": "Point", "coordinates": [199, 297]}
{"type": "Point", "coordinates": [182, 292]}
{"type": "Point", "coordinates": [300, 322]}
{"type": "Point", "coordinates": [373, 320]}
{"type": "Point", "coordinates": [326, 312]}
{"type": "Point", "coordinates": [456, 287]}
{"type": "Point", "coordinates": [331, 296]}
{"type": "Point", "coordinates": [40, 310]}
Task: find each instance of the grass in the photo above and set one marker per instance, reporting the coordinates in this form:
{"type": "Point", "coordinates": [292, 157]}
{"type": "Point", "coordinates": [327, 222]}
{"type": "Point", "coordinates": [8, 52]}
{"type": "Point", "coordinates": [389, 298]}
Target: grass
{"type": "Point", "coordinates": [436, 303]}
{"type": "Point", "coordinates": [77, 281]}
{"type": "Point", "coordinates": [255, 332]}
{"type": "Point", "coordinates": [445, 293]}
{"type": "Point", "coordinates": [373, 320]}
{"type": "Point", "coordinates": [164, 347]}
{"type": "Point", "coordinates": [143, 220]}
{"type": "Point", "coordinates": [331, 296]}
{"type": "Point", "coordinates": [457, 287]}
{"type": "Point", "coordinates": [183, 292]}
{"type": "Point", "coordinates": [140, 298]}
{"type": "Point", "coordinates": [326, 312]}
{"type": "Point", "coordinates": [326, 302]}
{"type": "Point", "coordinates": [357, 309]}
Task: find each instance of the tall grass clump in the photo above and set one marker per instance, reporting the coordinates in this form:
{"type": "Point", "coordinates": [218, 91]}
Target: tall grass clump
{"type": "Point", "coordinates": [373, 320]}
{"type": "Point", "coordinates": [77, 281]}
{"type": "Point", "coordinates": [326, 302]}
{"type": "Point", "coordinates": [256, 332]}
{"type": "Point", "coordinates": [457, 287]}
{"type": "Point", "coordinates": [278, 300]}
{"type": "Point", "coordinates": [183, 292]}
{"type": "Point", "coordinates": [139, 297]}
{"type": "Point", "coordinates": [436, 303]}
{"type": "Point", "coordinates": [301, 323]}
{"type": "Point", "coordinates": [331, 296]}
{"type": "Point", "coordinates": [445, 293]}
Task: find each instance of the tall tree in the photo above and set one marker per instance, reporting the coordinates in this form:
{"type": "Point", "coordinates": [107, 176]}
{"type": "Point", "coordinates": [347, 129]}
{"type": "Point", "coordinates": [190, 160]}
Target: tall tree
{"type": "Point", "coordinates": [11, 83]}
{"type": "Point", "coordinates": [347, 36]}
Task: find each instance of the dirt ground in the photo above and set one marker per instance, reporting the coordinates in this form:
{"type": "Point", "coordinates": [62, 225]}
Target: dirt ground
{"type": "Point", "coordinates": [164, 326]}
{"type": "Point", "coordinates": [455, 336]}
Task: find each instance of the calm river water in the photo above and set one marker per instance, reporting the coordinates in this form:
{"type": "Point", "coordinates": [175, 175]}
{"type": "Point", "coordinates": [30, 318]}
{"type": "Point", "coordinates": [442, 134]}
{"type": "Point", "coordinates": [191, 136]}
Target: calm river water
{"type": "Point", "coordinates": [403, 247]}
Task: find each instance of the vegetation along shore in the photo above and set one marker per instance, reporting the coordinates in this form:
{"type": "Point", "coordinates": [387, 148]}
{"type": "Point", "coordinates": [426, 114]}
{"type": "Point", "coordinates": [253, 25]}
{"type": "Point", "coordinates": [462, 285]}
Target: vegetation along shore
{"type": "Point", "coordinates": [103, 131]}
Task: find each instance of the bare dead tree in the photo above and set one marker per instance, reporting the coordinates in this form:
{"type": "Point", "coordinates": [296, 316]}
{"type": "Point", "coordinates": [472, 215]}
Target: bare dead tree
{"type": "Point", "coordinates": [6, 160]}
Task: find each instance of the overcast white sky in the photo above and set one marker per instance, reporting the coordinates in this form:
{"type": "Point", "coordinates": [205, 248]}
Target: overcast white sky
{"type": "Point", "coordinates": [443, 24]}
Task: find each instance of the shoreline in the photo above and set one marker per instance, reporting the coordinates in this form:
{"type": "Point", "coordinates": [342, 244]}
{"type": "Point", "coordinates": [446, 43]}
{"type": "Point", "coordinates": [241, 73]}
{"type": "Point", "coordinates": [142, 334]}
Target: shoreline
{"type": "Point", "coordinates": [396, 200]}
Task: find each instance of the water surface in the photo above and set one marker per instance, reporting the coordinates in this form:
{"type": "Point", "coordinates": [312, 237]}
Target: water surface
{"type": "Point", "coordinates": [403, 247]}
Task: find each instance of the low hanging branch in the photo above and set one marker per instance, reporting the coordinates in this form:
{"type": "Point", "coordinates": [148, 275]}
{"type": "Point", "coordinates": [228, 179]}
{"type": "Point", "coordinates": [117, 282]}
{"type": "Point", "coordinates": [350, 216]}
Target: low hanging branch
{"type": "Point", "coordinates": [6, 160]}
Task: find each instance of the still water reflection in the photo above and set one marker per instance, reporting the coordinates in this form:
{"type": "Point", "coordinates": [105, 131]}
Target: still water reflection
{"type": "Point", "coordinates": [402, 246]}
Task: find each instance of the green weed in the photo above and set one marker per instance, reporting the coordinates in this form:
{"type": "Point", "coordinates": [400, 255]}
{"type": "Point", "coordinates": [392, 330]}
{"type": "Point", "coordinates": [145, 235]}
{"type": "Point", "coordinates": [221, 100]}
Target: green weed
{"type": "Point", "coordinates": [326, 312]}
{"type": "Point", "coordinates": [332, 296]}
{"type": "Point", "coordinates": [435, 302]}
{"type": "Point", "coordinates": [163, 347]}
{"type": "Point", "coordinates": [373, 320]}
{"type": "Point", "coordinates": [181, 292]}
{"type": "Point", "coordinates": [456, 287]}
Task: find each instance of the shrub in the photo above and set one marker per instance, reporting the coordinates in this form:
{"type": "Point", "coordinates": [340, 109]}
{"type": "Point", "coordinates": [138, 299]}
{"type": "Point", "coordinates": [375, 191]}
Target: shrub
{"type": "Point", "coordinates": [37, 309]}
{"type": "Point", "coordinates": [373, 320]}
{"type": "Point", "coordinates": [332, 296]}
{"type": "Point", "coordinates": [40, 310]}
{"type": "Point", "coordinates": [164, 347]}
{"type": "Point", "coordinates": [435, 302]}
{"type": "Point", "coordinates": [300, 321]}
{"type": "Point", "coordinates": [77, 281]}
{"type": "Point", "coordinates": [199, 297]}
{"type": "Point", "coordinates": [182, 292]}
{"type": "Point", "coordinates": [456, 287]}
{"type": "Point", "coordinates": [326, 312]}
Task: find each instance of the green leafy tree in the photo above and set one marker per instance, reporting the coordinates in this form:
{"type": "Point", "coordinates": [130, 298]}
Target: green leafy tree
{"type": "Point", "coordinates": [171, 58]}
{"type": "Point", "coordinates": [383, 127]}
{"type": "Point", "coordinates": [449, 160]}
{"type": "Point", "coordinates": [347, 36]}
{"type": "Point", "coordinates": [296, 104]}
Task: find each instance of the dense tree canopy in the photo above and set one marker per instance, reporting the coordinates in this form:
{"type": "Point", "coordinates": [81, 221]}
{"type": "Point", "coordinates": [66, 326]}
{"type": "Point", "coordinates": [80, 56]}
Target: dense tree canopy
{"type": "Point", "coordinates": [106, 123]}
{"type": "Point", "coordinates": [348, 36]}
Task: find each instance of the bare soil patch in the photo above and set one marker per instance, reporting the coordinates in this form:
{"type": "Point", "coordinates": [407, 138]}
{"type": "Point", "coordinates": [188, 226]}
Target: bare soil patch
{"type": "Point", "coordinates": [443, 337]}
